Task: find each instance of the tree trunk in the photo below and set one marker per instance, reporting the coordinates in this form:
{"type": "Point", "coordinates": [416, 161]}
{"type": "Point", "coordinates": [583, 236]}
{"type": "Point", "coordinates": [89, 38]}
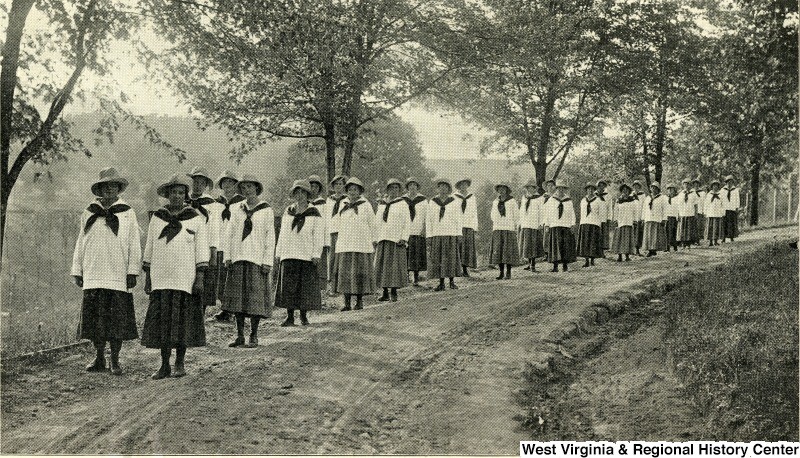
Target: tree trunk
{"type": "Point", "coordinates": [755, 183]}
{"type": "Point", "coordinates": [540, 164]}
{"type": "Point", "coordinates": [349, 145]}
{"type": "Point", "coordinates": [661, 134]}
{"type": "Point", "coordinates": [330, 150]}
{"type": "Point", "coordinates": [17, 16]}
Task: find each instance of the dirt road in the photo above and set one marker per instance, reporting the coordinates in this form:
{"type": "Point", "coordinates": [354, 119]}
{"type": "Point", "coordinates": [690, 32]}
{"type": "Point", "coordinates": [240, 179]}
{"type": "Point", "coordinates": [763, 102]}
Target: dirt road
{"type": "Point", "coordinates": [433, 373]}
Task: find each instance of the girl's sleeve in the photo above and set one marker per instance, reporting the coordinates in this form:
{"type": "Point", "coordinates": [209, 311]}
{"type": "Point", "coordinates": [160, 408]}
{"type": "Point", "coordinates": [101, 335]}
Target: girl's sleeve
{"type": "Point", "coordinates": [148, 245]}
{"type": "Point", "coordinates": [319, 236]}
{"type": "Point", "coordinates": [202, 253]}
{"type": "Point", "coordinates": [269, 243]}
{"type": "Point", "coordinates": [80, 247]}
{"type": "Point", "coordinates": [134, 246]}
{"type": "Point", "coordinates": [428, 221]}
{"type": "Point", "coordinates": [405, 230]}
{"type": "Point", "coordinates": [280, 245]}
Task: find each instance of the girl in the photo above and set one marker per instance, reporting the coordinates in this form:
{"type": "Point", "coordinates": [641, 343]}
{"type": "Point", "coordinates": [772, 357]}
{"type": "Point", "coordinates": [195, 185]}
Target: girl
{"type": "Point", "coordinates": [730, 202]}
{"type": "Point", "coordinates": [321, 203]}
{"type": "Point", "coordinates": [672, 217]}
{"type": "Point", "coordinates": [211, 210]}
{"type": "Point", "coordinates": [639, 196]}
{"type": "Point", "coordinates": [654, 215]}
{"type": "Point", "coordinates": [590, 231]}
{"type": "Point", "coordinates": [300, 245]}
{"type": "Point", "coordinates": [230, 196]}
{"type": "Point", "coordinates": [354, 274]}
{"type": "Point", "coordinates": [624, 241]}
{"type": "Point", "coordinates": [417, 207]}
{"type": "Point", "coordinates": [105, 264]}
{"type": "Point", "coordinates": [701, 194]}
{"type": "Point", "coordinates": [560, 220]}
{"type": "Point", "coordinates": [504, 250]}
{"type": "Point", "coordinates": [443, 227]}
{"type": "Point", "coordinates": [332, 208]}
{"type": "Point", "coordinates": [687, 212]}
{"type": "Point", "coordinates": [604, 212]}
{"type": "Point", "coordinates": [469, 217]}
{"type": "Point", "coordinates": [715, 212]}
{"type": "Point", "coordinates": [393, 223]}
{"type": "Point", "coordinates": [252, 251]}
{"type": "Point", "coordinates": [175, 260]}
{"type": "Point", "coordinates": [530, 222]}
{"type": "Point", "coordinates": [549, 190]}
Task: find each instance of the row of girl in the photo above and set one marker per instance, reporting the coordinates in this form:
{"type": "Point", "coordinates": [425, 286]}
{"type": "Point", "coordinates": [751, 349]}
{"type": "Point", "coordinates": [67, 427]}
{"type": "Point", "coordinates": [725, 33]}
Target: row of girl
{"type": "Point", "coordinates": [199, 249]}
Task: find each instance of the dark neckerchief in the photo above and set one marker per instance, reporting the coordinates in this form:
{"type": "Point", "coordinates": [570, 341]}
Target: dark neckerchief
{"type": "Point", "coordinates": [561, 205]}
{"type": "Point", "coordinates": [173, 221]}
{"type": "Point", "coordinates": [442, 204]}
{"type": "Point", "coordinates": [248, 220]}
{"type": "Point", "coordinates": [528, 200]}
{"type": "Point", "coordinates": [669, 199]}
{"type": "Point", "coordinates": [463, 201]}
{"type": "Point", "coordinates": [623, 199]}
{"type": "Point", "coordinates": [686, 196]}
{"type": "Point", "coordinates": [546, 197]}
{"type": "Point", "coordinates": [697, 191]}
{"type": "Point", "coordinates": [299, 219]}
{"type": "Point", "coordinates": [338, 203]}
{"type": "Point", "coordinates": [601, 196]}
{"type": "Point", "coordinates": [729, 192]}
{"type": "Point", "coordinates": [412, 204]}
{"type": "Point", "coordinates": [353, 206]}
{"type": "Point", "coordinates": [110, 215]}
{"type": "Point", "coordinates": [714, 195]}
{"type": "Point", "coordinates": [589, 204]}
{"type": "Point", "coordinates": [501, 205]}
{"type": "Point", "coordinates": [652, 199]}
{"type": "Point", "coordinates": [387, 206]}
{"type": "Point", "coordinates": [318, 201]}
{"type": "Point", "coordinates": [198, 202]}
{"type": "Point", "coordinates": [226, 212]}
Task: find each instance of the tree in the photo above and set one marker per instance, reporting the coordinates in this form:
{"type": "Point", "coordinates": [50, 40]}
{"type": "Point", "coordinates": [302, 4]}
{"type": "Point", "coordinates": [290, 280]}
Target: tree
{"type": "Point", "coordinates": [295, 68]}
{"type": "Point", "coordinates": [388, 149]}
{"type": "Point", "coordinates": [536, 74]}
{"type": "Point", "coordinates": [751, 102]}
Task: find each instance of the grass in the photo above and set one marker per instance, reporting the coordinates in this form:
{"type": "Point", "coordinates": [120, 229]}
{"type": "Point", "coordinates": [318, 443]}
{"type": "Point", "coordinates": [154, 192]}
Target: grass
{"type": "Point", "coordinates": [734, 338]}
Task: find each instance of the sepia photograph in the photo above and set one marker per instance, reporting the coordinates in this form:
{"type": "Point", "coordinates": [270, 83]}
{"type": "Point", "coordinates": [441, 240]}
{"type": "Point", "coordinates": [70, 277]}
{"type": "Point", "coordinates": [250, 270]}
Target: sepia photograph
{"type": "Point", "coordinates": [399, 227]}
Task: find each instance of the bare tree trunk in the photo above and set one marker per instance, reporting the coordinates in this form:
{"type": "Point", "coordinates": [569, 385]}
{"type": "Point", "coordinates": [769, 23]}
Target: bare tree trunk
{"type": "Point", "coordinates": [661, 134]}
{"type": "Point", "coordinates": [349, 145]}
{"type": "Point", "coordinates": [330, 149]}
{"type": "Point", "coordinates": [540, 163]}
{"type": "Point", "coordinates": [755, 183]}
{"type": "Point", "coordinates": [17, 16]}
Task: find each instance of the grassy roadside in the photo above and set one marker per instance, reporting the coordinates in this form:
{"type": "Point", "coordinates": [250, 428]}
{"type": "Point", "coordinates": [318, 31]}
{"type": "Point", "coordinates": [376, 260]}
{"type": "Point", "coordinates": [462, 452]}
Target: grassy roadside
{"type": "Point", "coordinates": [733, 334]}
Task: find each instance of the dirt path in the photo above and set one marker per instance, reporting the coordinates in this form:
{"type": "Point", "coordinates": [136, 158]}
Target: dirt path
{"type": "Point", "coordinates": [433, 373]}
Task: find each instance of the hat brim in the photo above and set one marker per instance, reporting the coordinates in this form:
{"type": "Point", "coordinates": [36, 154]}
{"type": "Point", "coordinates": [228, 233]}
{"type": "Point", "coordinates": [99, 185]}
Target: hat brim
{"type": "Point", "coordinates": [502, 186]}
{"type": "Point", "coordinates": [412, 182]}
{"type": "Point", "coordinates": [122, 182]}
{"type": "Point", "coordinates": [259, 186]}
{"type": "Point", "coordinates": [219, 182]}
{"type": "Point", "coordinates": [467, 181]}
{"type": "Point", "coordinates": [590, 186]}
{"type": "Point", "coordinates": [163, 190]}
{"type": "Point", "coordinates": [294, 188]}
{"type": "Point", "coordinates": [209, 180]}
{"type": "Point", "coordinates": [338, 178]}
{"type": "Point", "coordinates": [347, 186]}
{"type": "Point", "coordinates": [625, 186]}
{"type": "Point", "coordinates": [388, 185]}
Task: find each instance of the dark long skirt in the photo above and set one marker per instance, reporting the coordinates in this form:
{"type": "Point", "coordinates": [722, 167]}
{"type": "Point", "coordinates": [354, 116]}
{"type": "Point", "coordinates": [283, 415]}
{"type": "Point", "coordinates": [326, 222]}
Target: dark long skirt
{"type": "Point", "coordinates": [222, 273]}
{"type": "Point", "coordinates": [417, 253]}
{"type": "Point", "coordinates": [209, 296]}
{"type": "Point", "coordinates": [107, 314]}
{"type": "Point", "coordinates": [248, 290]}
{"type": "Point", "coordinates": [469, 257]}
{"type": "Point", "coordinates": [354, 273]}
{"type": "Point", "coordinates": [590, 243]}
{"type": "Point", "coordinates": [545, 239]}
{"type": "Point", "coordinates": [639, 226]}
{"type": "Point", "coordinates": [173, 319]}
{"type": "Point", "coordinates": [624, 241]}
{"type": "Point", "coordinates": [332, 255]}
{"type": "Point", "coordinates": [391, 265]}
{"type": "Point", "coordinates": [297, 285]}
{"type": "Point", "coordinates": [672, 231]}
{"type": "Point", "coordinates": [687, 229]}
{"type": "Point", "coordinates": [714, 228]}
{"type": "Point", "coordinates": [530, 246]}
{"type": "Point", "coordinates": [504, 248]}
{"type": "Point", "coordinates": [700, 227]}
{"type": "Point", "coordinates": [655, 236]}
{"type": "Point", "coordinates": [444, 260]}
{"type": "Point", "coordinates": [561, 245]}
{"type": "Point", "coordinates": [322, 272]}
{"type": "Point", "coordinates": [605, 233]}
{"type": "Point", "coordinates": [731, 224]}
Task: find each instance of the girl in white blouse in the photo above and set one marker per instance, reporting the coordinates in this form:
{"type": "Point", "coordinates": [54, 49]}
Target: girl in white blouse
{"type": "Point", "coordinates": [590, 232]}
{"type": "Point", "coordinates": [504, 249]}
{"type": "Point", "coordinates": [560, 220]}
{"type": "Point", "coordinates": [298, 255]}
{"type": "Point", "coordinates": [530, 223]}
{"type": "Point", "coordinates": [393, 222]}
{"type": "Point", "coordinates": [443, 228]}
{"type": "Point", "coordinates": [715, 214]}
{"type": "Point", "coordinates": [354, 273]}
{"type": "Point", "coordinates": [624, 241]}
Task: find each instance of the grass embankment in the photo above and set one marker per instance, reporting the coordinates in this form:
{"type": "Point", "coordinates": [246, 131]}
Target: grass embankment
{"type": "Point", "coordinates": [734, 337]}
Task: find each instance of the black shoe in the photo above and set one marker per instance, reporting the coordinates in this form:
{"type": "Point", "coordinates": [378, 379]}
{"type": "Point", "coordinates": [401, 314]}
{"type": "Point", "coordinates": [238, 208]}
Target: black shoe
{"type": "Point", "coordinates": [453, 285]}
{"type": "Point", "coordinates": [98, 365]}
{"type": "Point", "coordinates": [383, 298]}
{"type": "Point", "coordinates": [304, 321]}
{"type": "Point", "coordinates": [162, 372]}
{"type": "Point", "coordinates": [287, 322]}
{"type": "Point", "coordinates": [439, 288]}
{"type": "Point", "coordinates": [252, 342]}
{"type": "Point", "coordinates": [223, 316]}
{"type": "Point", "coordinates": [179, 371]}
{"type": "Point", "coordinates": [528, 267]}
{"type": "Point", "coordinates": [394, 297]}
{"type": "Point", "coordinates": [115, 368]}
{"type": "Point", "coordinates": [237, 343]}
{"type": "Point", "coordinates": [500, 277]}
{"type": "Point", "coordinates": [591, 262]}
{"type": "Point", "coordinates": [586, 264]}
{"type": "Point", "coordinates": [359, 306]}
{"type": "Point", "coordinates": [346, 308]}
{"type": "Point", "coordinates": [619, 258]}
{"type": "Point", "coordinates": [555, 269]}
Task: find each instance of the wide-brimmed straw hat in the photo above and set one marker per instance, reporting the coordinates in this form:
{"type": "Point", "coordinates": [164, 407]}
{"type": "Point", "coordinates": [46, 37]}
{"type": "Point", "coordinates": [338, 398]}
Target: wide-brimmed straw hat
{"type": "Point", "coordinates": [227, 174]}
{"type": "Point", "coordinates": [338, 178]}
{"type": "Point", "coordinates": [201, 172]}
{"type": "Point", "coordinates": [464, 180]}
{"type": "Point", "coordinates": [305, 185]}
{"type": "Point", "coordinates": [109, 175]}
{"type": "Point", "coordinates": [503, 185]}
{"type": "Point", "coordinates": [601, 181]}
{"type": "Point", "coordinates": [729, 178]}
{"type": "Point", "coordinates": [315, 179]}
{"type": "Point", "coordinates": [355, 181]}
{"type": "Point", "coordinates": [562, 184]}
{"type": "Point", "coordinates": [174, 180]}
{"type": "Point", "coordinates": [625, 186]}
{"type": "Point", "coordinates": [410, 180]}
{"type": "Point", "coordinates": [715, 181]}
{"type": "Point", "coordinates": [250, 179]}
{"type": "Point", "coordinates": [590, 185]}
{"type": "Point", "coordinates": [671, 185]}
{"type": "Point", "coordinates": [531, 184]}
{"type": "Point", "coordinates": [686, 180]}
{"type": "Point", "coordinates": [392, 181]}
{"type": "Point", "coordinates": [635, 182]}
{"type": "Point", "coordinates": [445, 181]}
{"type": "Point", "coordinates": [655, 184]}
